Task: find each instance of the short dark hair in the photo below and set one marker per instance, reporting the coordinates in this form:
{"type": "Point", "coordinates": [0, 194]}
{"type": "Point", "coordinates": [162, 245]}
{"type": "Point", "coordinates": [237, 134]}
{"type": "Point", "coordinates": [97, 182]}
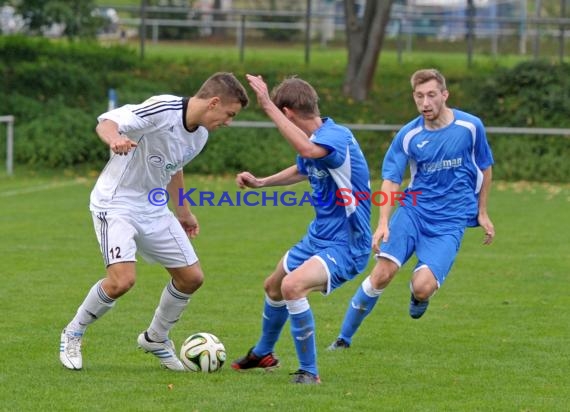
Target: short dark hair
{"type": "Point", "coordinates": [225, 86]}
{"type": "Point", "coordinates": [296, 94]}
{"type": "Point", "coordinates": [425, 75]}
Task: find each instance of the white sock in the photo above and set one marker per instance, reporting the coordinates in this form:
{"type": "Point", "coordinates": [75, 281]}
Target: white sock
{"type": "Point", "coordinates": [95, 305]}
{"type": "Point", "coordinates": [297, 306]}
{"type": "Point", "coordinates": [172, 304]}
{"type": "Point", "coordinates": [369, 290]}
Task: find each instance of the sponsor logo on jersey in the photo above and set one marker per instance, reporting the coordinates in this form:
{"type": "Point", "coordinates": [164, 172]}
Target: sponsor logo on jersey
{"type": "Point", "coordinates": [314, 172]}
{"type": "Point", "coordinates": [442, 164]}
{"type": "Point", "coordinates": [155, 160]}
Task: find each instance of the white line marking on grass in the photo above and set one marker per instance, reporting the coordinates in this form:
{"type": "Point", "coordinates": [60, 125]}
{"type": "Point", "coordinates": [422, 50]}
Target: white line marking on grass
{"type": "Point", "coordinates": [40, 188]}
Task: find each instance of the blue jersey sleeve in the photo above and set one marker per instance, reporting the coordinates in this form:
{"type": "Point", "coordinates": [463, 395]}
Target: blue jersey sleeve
{"type": "Point", "coordinates": [301, 166]}
{"type": "Point", "coordinates": [395, 160]}
{"type": "Point", "coordinates": [335, 138]}
{"type": "Point", "coordinates": [483, 154]}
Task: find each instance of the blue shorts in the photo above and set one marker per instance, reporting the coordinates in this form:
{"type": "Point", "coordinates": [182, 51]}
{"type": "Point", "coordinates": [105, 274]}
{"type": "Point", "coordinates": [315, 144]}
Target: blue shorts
{"type": "Point", "coordinates": [406, 237]}
{"type": "Point", "coordinates": [340, 264]}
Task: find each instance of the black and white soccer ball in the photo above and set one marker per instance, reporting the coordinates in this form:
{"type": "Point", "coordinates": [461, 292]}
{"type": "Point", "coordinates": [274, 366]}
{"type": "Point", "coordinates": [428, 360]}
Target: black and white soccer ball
{"type": "Point", "coordinates": [203, 352]}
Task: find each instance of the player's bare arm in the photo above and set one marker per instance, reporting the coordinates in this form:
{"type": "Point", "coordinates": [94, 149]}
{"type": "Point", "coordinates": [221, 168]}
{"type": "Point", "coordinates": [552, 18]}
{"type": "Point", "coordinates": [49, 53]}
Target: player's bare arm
{"type": "Point", "coordinates": [483, 217]}
{"type": "Point", "coordinates": [382, 232]}
{"type": "Point", "coordinates": [287, 176]}
{"type": "Point", "coordinates": [287, 121]}
{"type": "Point", "coordinates": [108, 131]}
{"type": "Point", "coordinates": [181, 209]}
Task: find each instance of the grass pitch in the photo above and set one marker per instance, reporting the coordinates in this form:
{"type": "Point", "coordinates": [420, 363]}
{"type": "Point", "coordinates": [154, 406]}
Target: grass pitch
{"type": "Point", "coordinates": [495, 337]}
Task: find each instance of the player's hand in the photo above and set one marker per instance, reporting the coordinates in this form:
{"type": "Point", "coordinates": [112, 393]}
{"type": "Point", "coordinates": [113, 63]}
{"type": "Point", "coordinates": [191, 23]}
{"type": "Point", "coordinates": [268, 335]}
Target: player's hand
{"type": "Point", "coordinates": [260, 88]}
{"type": "Point", "coordinates": [246, 179]}
{"type": "Point", "coordinates": [189, 224]}
{"type": "Point", "coordinates": [488, 227]}
{"type": "Point", "coordinates": [382, 233]}
{"type": "Point", "coordinates": [122, 145]}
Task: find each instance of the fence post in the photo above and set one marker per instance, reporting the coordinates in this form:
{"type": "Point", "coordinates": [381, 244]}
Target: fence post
{"type": "Point", "coordinates": [112, 104]}
{"type": "Point", "coordinates": [308, 33]}
{"type": "Point", "coordinates": [10, 148]}
{"type": "Point", "coordinates": [241, 37]}
{"type": "Point", "coordinates": [112, 94]}
{"type": "Point", "coordinates": [562, 31]}
{"type": "Point", "coordinates": [470, 23]}
{"type": "Point", "coordinates": [9, 120]}
{"type": "Point", "coordinates": [142, 27]}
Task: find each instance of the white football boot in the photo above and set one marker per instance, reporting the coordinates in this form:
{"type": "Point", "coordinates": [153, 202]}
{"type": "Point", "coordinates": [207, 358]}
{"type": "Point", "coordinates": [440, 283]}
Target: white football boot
{"type": "Point", "coordinates": [164, 351]}
{"type": "Point", "coordinates": [70, 350]}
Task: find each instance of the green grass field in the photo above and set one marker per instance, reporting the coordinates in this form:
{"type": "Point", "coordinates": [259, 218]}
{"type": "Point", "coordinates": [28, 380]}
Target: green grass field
{"type": "Point", "coordinates": [495, 338]}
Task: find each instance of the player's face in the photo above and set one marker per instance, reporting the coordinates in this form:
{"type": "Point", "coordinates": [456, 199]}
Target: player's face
{"type": "Point", "coordinates": [220, 114]}
{"type": "Point", "coordinates": [430, 99]}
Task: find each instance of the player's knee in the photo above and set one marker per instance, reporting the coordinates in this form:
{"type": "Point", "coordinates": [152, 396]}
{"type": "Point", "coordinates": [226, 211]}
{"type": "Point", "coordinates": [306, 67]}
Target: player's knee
{"type": "Point", "coordinates": [192, 282]}
{"type": "Point", "coordinates": [187, 279]}
{"type": "Point", "coordinates": [118, 287]}
{"type": "Point", "coordinates": [272, 290]}
{"type": "Point", "coordinates": [421, 294]}
{"type": "Point", "coordinates": [382, 274]}
{"type": "Point", "coordinates": [291, 290]}
{"type": "Point", "coordinates": [423, 290]}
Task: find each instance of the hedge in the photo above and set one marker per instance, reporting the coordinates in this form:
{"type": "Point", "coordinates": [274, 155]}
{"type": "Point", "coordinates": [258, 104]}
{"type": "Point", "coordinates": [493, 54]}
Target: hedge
{"type": "Point", "coordinates": [56, 91]}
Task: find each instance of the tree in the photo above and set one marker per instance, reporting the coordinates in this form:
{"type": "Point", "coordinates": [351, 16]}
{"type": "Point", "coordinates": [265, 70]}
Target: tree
{"type": "Point", "coordinates": [76, 16]}
{"type": "Point", "coordinates": [364, 38]}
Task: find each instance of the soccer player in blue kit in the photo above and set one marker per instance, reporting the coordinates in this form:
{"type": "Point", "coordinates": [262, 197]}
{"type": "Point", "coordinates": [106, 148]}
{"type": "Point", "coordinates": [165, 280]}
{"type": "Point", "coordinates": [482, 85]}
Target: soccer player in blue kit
{"type": "Point", "coordinates": [337, 245]}
{"type": "Point", "coordinates": [450, 175]}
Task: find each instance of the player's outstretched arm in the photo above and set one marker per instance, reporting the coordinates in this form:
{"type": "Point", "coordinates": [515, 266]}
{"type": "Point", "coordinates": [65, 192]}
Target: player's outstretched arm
{"type": "Point", "coordinates": [108, 131]}
{"type": "Point", "coordinates": [287, 176]}
{"type": "Point", "coordinates": [296, 137]}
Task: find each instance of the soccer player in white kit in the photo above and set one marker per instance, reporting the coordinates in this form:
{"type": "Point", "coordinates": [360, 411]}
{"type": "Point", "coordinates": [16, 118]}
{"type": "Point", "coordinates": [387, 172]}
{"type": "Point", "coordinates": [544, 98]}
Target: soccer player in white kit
{"type": "Point", "coordinates": [151, 142]}
{"type": "Point", "coordinates": [451, 170]}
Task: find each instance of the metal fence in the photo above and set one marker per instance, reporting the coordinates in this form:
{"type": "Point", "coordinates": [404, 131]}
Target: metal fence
{"type": "Point", "coordinates": [498, 30]}
{"type": "Point", "coordinates": [520, 131]}
{"type": "Point", "coordinates": [515, 131]}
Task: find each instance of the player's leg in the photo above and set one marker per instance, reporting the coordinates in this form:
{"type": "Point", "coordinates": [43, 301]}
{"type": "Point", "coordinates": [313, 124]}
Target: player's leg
{"type": "Point", "coordinates": [169, 245]}
{"type": "Point", "coordinates": [422, 286]}
{"type": "Point", "coordinates": [393, 254]}
{"type": "Point", "coordinates": [115, 236]}
{"type": "Point", "coordinates": [364, 300]}
{"type": "Point", "coordinates": [174, 299]}
{"type": "Point", "coordinates": [274, 317]}
{"type": "Point", "coordinates": [310, 276]}
{"type": "Point", "coordinates": [436, 255]}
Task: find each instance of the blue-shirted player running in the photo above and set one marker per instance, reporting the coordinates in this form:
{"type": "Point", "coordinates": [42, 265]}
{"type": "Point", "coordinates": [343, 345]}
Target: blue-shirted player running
{"type": "Point", "coordinates": [451, 169]}
{"type": "Point", "coordinates": [337, 245]}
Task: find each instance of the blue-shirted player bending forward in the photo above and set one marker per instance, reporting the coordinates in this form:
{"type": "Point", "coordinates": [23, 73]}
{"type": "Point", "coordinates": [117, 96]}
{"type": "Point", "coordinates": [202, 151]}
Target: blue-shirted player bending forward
{"type": "Point", "coordinates": [450, 168]}
{"type": "Point", "coordinates": [337, 245]}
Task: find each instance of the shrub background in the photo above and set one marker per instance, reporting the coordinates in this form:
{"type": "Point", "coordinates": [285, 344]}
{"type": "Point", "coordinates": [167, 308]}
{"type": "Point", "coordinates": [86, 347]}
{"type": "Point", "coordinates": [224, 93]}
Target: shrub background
{"type": "Point", "coordinates": [57, 89]}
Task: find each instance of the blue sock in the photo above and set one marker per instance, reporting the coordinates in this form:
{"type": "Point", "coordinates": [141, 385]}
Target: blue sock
{"type": "Point", "coordinates": [274, 317]}
{"type": "Point", "coordinates": [303, 332]}
{"type": "Point", "coordinates": [360, 306]}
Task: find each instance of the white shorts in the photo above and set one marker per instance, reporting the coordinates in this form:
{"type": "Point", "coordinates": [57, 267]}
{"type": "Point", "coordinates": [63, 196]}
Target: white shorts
{"type": "Point", "coordinates": [161, 239]}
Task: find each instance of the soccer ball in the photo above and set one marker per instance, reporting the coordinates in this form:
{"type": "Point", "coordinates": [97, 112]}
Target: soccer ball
{"type": "Point", "coordinates": [203, 352]}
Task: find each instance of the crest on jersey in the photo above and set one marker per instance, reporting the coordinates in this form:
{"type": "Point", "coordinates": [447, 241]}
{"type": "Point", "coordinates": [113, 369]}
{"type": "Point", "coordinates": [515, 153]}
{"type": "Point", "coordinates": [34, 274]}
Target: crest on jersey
{"type": "Point", "coordinates": [155, 160]}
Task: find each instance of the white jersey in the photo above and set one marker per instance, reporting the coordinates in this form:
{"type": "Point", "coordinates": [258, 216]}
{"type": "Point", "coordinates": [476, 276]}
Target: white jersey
{"type": "Point", "coordinates": [164, 146]}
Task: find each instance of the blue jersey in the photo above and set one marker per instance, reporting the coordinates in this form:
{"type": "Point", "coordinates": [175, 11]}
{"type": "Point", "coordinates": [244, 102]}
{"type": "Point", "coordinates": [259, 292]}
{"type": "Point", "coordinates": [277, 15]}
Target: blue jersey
{"type": "Point", "coordinates": [445, 169]}
{"type": "Point", "coordinates": [336, 181]}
